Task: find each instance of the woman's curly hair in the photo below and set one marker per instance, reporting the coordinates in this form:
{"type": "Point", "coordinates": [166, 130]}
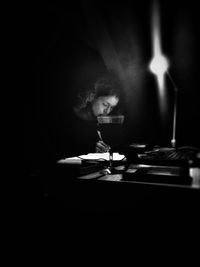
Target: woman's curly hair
{"type": "Point", "coordinates": [104, 86]}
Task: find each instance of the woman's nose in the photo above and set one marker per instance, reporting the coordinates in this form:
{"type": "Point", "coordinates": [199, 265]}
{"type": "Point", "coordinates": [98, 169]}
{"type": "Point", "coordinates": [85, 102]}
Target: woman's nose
{"type": "Point", "coordinates": [105, 112]}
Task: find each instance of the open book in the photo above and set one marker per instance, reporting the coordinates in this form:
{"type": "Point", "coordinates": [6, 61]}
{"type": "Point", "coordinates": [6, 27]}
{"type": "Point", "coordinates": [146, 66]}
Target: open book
{"type": "Point", "coordinates": [91, 156]}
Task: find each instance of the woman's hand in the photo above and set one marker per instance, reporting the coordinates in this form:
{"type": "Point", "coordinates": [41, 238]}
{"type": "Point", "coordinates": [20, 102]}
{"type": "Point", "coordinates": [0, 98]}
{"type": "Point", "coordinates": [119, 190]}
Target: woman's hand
{"type": "Point", "coordinates": [101, 147]}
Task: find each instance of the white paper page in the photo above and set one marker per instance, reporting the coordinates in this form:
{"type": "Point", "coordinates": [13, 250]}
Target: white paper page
{"type": "Point", "coordinates": [91, 156]}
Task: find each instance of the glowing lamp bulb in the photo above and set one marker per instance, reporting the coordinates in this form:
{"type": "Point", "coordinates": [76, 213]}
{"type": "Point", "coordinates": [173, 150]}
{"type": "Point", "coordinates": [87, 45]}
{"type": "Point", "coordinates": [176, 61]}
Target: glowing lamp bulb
{"type": "Point", "coordinates": [159, 65]}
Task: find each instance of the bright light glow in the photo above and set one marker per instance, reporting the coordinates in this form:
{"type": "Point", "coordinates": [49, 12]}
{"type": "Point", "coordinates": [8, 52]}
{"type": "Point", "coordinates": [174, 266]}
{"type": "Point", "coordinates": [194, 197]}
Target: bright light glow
{"type": "Point", "coordinates": [159, 66]}
{"type": "Point", "coordinates": [159, 63]}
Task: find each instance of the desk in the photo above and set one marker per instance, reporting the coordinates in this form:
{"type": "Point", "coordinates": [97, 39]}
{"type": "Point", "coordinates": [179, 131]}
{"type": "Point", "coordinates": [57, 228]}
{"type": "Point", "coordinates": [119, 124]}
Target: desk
{"type": "Point", "coordinates": [95, 167]}
{"type": "Point", "coordinates": [110, 195]}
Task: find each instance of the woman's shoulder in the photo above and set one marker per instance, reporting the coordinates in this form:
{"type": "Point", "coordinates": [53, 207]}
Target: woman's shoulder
{"type": "Point", "coordinates": [79, 113]}
{"type": "Point", "coordinates": [84, 113]}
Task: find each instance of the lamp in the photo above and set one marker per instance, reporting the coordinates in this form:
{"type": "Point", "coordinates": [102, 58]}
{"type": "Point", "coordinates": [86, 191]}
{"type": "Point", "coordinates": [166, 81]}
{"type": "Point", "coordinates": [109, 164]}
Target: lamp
{"type": "Point", "coordinates": [159, 66]}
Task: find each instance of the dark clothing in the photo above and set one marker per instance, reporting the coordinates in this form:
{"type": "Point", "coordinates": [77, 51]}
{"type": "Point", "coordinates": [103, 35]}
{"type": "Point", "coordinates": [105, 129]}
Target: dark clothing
{"type": "Point", "coordinates": [56, 135]}
{"type": "Point", "coordinates": [76, 136]}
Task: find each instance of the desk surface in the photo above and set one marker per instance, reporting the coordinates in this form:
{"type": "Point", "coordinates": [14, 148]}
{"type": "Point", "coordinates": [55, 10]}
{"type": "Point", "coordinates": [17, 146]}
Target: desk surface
{"type": "Point", "coordinates": [106, 194]}
{"type": "Point", "coordinates": [170, 176]}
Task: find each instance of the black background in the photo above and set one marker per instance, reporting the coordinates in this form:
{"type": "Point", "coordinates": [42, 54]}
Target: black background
{"type": "Point", "coordinates": [56, 47]}
{"type": "Point", "coordinates": [61, 47]}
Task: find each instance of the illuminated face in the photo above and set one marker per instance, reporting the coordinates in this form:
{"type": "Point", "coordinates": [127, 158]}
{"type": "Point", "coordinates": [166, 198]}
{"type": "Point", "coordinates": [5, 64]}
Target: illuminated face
{"type": "Point", "coordinates": [103, 105]}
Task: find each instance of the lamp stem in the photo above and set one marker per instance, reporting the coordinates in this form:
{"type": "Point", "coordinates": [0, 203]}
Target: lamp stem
{"type": "Point", "coordinates": [173, 140]}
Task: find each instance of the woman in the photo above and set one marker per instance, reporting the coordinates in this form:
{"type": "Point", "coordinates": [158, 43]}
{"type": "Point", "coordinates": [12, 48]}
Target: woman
{"type": "Point", "coordinates": [82, 134]}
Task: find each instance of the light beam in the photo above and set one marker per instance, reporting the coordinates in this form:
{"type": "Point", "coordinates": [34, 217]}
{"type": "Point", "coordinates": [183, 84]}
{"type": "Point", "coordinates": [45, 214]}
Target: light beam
{"type": "Point", "coordinates": [159, 64]}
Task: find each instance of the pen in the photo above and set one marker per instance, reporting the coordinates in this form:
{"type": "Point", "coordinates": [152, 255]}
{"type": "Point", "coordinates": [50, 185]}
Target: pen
{"type": "Point", "coordinates": [99, 134]}
{"type": "Point", "coordinates": [100, 137]}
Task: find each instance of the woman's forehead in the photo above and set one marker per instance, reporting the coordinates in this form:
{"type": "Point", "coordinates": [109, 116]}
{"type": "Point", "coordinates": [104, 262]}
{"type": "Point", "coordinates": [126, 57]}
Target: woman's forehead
{"type": "Point", "coordinates": [112, 100]}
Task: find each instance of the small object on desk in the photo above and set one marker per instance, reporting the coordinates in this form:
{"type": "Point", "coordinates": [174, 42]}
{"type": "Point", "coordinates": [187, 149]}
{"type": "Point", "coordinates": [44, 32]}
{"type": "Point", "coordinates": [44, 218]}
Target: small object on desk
{"type": "Point", "coordinates": [157, 174]}
{"type": "Point", "coordinates": [111, 177]}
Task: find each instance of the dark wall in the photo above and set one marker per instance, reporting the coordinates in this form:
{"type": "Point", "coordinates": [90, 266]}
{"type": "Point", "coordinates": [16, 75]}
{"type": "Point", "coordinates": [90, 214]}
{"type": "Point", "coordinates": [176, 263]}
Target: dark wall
{"type": "Point", "coordinates": [66, 47]}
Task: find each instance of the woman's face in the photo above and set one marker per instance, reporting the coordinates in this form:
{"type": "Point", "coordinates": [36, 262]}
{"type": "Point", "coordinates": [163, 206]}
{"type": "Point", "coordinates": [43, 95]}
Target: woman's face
{"type": "Point", "coordinates": [103, 105]}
